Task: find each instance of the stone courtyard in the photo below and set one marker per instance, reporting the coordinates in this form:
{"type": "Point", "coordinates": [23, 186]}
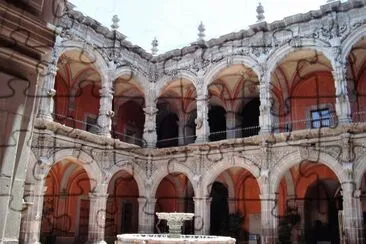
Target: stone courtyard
{"type": "Point", "coordinates": [260, 133]}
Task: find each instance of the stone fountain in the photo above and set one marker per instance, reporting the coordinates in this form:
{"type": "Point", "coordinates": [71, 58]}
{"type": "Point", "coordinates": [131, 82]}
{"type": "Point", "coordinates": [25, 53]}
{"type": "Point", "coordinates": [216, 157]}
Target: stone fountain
{"type": "Point", "coordinates": [175, 223]}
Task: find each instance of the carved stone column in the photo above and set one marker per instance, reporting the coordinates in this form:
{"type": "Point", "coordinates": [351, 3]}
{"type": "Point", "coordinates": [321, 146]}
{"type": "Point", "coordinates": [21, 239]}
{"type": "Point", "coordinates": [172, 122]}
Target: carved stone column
{"type": "Point", "coordinates": [343, 107]}
{"type": "Point", "coordinates": [150, 137]}
{"type": "Point", "coordinates": [181, 133]}
{"type": "Point", "coordinates": [265, 118]}
{"type": "Point", "coordinates": [202, 126]}
{"type": "Point", "coordinates": [352, 214]}
{"type": "Point", "coordinates": [202, 211]}
{"type": "Point", "coordinates": [105, 111]}
{"type": "Point", "coordinates": [233, 125]}
{"type": "Point", "coordinates": [97, 215]}
{"type": "Point", "coordinates": [269, 218]}
{"type": "Point", "coordinates": [146, 215]}
{"type": "Point", "coordinates": [47, 92]}
{"type": "Point", "coordinates": [31, 221]}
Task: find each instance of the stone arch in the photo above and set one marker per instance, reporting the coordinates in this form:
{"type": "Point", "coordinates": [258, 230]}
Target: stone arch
{"type": "Point", "coordinates": [81, 158]}
{"type": "Point", "coordinates": [277, 55]}
{"type": "Point", "coordinates": [96, 58]}
{"type": "Point", "coordinates": [140, 79]}
{"type": "Point", "coordinates": [216, 101]}
{"type": "Point", "coordinates": [216, 69]}
{"type": "Point", "coordinates": [350, 41]}
{"type": "Point", "coordinates": [66, 175]}
{"type": "Point", "coordinates": [220, 167]}
{"type": "Point", "coordinates": [133, 170]}
{"type": "Point", "coordinates": [279, 170]}
{"type": "Point", "coordinates": [162, 172]}
{"type": "Point", "coordinates": [182, 74]}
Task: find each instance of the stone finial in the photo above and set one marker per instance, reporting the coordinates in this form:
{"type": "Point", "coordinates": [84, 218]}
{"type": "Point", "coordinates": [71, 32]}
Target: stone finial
{"type": "Point", "coordinates": [260, 12]}
{"type": "Point", "coordinates": [154, 44]}
{"type": "Point", "coordinates": [115, 21]}
{"type": "Point", "coordinates": [201, 32]}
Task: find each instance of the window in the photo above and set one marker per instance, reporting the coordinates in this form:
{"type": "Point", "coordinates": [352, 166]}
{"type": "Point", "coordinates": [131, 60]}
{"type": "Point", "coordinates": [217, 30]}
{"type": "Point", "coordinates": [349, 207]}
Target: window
{"type": "Point", "coordinates": [91, 124]}
{"type": "Point", "coordinates": [320, 118]}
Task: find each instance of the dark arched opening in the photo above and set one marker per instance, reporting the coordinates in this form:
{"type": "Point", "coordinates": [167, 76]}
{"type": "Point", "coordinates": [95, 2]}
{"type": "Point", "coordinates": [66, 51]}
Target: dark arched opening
{"type": "Point", "coordinates": [168, 131]}
{"type": "Point", "coordinates": [129, 123]}
{"type": "Point", "coordinates": [219, 209]}
{"type": "Point", "coordinates": [250, 118]}
{"type": "Point", "coordinates": [122, 206]}
{"type": "Point", "coordinates": [322, 203]}
{"type": "Point", "coordinates": [217, 122]}
{"type": "Point", "coordinates": [174, 194]}
{"type": "Point", "coordinates": [190, 128]}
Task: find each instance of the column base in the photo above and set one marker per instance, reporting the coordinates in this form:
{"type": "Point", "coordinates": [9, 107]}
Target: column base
{"type": "Point", "coordinates": [13, 241]}
{"type": "Point", "coordinates": [265, 131]}
{"type": "Point", "coordinates": [344, 120]}
{"type": "Point", "coordinates": [96, 242]}
{"type": "Point", "coordinates": [152, 146]}
{"type": "Point", "coordinates": [201, 140]}
{"type": "Point", "coordinates": [104, 134]}
{"type": "Point", "coordinates": [46, 117]}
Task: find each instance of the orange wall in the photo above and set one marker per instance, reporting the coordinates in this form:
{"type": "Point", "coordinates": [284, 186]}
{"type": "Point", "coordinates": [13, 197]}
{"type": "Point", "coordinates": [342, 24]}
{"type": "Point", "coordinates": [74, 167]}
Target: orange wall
{"type": "Point", "coordinates": [303, 176]}
{"type": "Point", "coordinates": [311, 92]}
{"type": "Point", "coordinates": [85, 101]}
{"type": "Point", "coordinates": [129, 113]}
{"type": "Point", "coordinates": [63, 208]}
{"type": "Point", "coordinates": [246, 192]}
{"type": "Point", "coordinates": [122, 187]}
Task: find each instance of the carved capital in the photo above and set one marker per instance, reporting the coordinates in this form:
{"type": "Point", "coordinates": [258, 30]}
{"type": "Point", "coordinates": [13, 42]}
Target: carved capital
{"type": "Point", "coordinates": [51, 92]}
{"type": "Point", "coordinates": [52, 69]}
{"type": "Point", "coordinates": [150, 111]}
{"type": "Point", "coordinates": [110, 114]}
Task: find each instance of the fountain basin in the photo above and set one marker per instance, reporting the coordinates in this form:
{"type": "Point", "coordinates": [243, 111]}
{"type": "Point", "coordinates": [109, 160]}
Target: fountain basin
{"type": "Point", "coordinates": [175, 221]}
{"type": "Point", "coordinates": [164, 238]}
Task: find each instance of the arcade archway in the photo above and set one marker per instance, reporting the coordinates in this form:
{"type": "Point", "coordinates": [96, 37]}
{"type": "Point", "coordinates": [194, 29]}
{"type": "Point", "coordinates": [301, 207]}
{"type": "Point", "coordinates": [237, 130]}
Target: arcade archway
{"type": "Point", "coordinates": [235, 205]}
{"type": "Point", "coordinates": [122, 206]}
{"type": "Point", "coordinates": [65, 217]}
{"type": "Point", "coordinates": [175, 194]}
{"type": "Point", "coordinates": [309, 202]}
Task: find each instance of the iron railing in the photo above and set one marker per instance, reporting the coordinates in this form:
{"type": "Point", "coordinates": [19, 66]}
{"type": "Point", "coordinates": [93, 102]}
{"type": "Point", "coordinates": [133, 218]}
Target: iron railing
{"type": "Point", "coordinates": [287, 126]}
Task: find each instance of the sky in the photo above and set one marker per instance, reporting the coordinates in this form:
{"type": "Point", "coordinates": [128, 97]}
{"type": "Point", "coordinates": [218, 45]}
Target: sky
{"type": "Point", "coordinates": [174, 22]}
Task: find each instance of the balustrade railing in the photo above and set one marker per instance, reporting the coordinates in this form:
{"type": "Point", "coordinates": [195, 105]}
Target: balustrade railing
{"type": "Point", "coordinates": [287, 126]}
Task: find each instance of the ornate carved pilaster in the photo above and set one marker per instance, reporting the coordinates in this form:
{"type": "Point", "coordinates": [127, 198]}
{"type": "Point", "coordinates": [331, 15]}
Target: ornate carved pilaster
{"type": "Point", "coordinates": [105, 111]}
{"type": "Point", "coordinates": [265, 118]}
{"type": "Point", "coordinates": [97, 215]}
{"type": "Point", "coordinates": [31, 222]}
{"type": "Point", "coordinates": [47, 93]}
{"type": "Point", "coordinates": [269, 218]}
{"type": "Point", "coordinates": [352, 214]}
{"type": "Point", "coordinates": [202, 211]}
{"type": "Point", "coordinates": [202, 126]}
{"type": "Point", "coordinates": [150, 137]}
{"type": "Point", "coordinates": [146, 215]}
{"type": "Point", "coordinates": [343, 107]}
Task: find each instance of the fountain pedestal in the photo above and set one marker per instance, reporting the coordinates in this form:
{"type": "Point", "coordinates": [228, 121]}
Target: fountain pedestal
{"type": "Point", "coordinates": [175, 222]}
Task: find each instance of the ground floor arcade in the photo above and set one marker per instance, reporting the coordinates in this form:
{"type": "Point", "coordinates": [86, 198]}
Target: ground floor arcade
{"type": "Point", "coordinates": [300, 200]}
